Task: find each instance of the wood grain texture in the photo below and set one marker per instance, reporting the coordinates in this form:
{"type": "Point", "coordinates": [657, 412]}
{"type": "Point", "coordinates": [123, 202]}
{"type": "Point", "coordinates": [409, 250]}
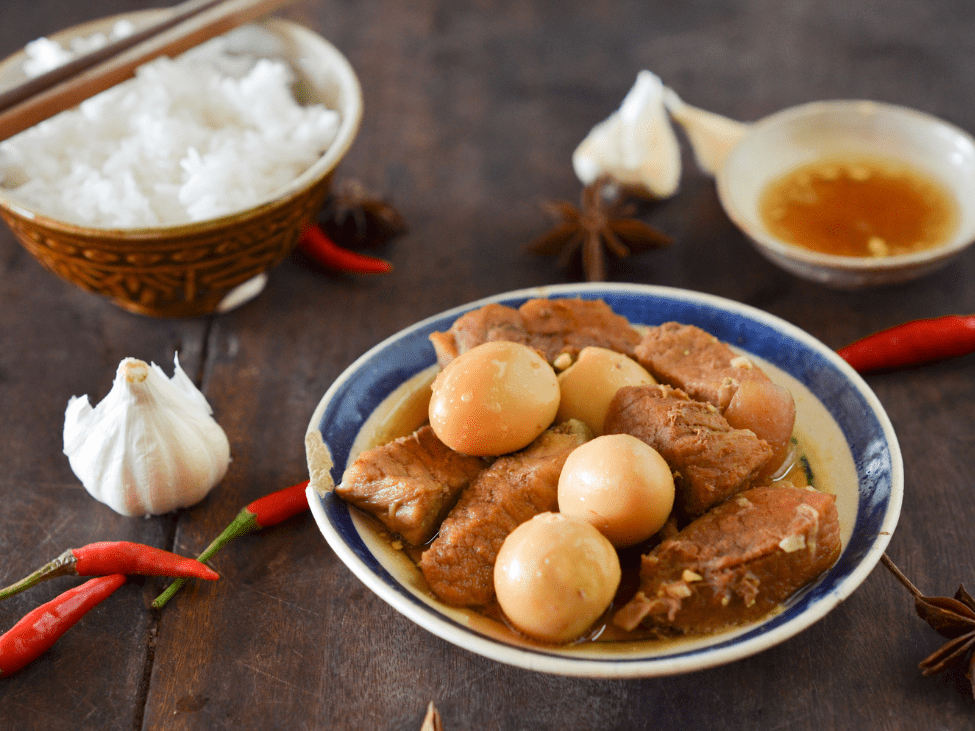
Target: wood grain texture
{"type": "Point", "coordinates": [472, 110]}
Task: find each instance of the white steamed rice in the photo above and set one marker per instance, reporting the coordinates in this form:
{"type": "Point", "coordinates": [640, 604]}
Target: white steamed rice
{"type": "Point", "coordinates": [210, 133]}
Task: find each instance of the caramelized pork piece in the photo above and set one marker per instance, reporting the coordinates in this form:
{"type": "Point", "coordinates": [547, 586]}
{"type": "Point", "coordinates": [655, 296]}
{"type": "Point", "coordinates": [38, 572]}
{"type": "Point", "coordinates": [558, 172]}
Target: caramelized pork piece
{"type": "Point", "coordinates": [710, 459]}
{"type": "Point", "coordinates": [736, 563]}
{"type": "Point", "coordinates": [688, 358]}
{"type": "Point", "coordinates": [410, 484]}
{"type": "Point", "coordinates": [568, 325]}
{"type": "Point", "coordinates": [696, 362]}
{"type": "Point", "coordinates": [551, 326]}
{"type": "Point", "coordinates": [459, 564]}
{"type": "Point", "coordinates": [483, 325]}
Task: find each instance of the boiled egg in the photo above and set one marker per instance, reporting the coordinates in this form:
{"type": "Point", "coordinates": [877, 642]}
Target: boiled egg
{"type": "Point", "coordinates": [770, 412]}
{"type": "Point", "coordinates": [620, 485]}
{"type": "Point", "coordinates": [589, 384]}
{"type": "Point", "coordinates": [555, 576]}
{"type": "Point", "coordinates": [493, 399]}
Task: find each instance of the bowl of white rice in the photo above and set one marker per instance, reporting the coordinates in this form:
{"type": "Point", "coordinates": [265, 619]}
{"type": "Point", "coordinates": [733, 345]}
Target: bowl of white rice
{"type": "Point", "coordinates": [173, 194]}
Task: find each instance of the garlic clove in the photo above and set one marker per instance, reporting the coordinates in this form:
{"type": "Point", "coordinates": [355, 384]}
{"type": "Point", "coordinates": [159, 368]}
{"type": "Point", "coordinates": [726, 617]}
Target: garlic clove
{"type": "Point", "coordinates": [712, 136]}
{"type": "Point", "coordinates": [150, 446]}
{"type": "Point", "coordinates": [635, 145]}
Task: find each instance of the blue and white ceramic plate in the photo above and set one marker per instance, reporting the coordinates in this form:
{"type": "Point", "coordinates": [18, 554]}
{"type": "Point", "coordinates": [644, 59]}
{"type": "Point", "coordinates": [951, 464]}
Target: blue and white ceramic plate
{"type": "Point", "coordinates": [842, 429]}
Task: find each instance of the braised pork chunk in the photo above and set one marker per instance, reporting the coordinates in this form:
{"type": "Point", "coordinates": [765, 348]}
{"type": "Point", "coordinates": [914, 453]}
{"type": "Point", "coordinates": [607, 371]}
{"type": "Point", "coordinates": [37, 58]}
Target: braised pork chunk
{"type": "Point", "coordinates": [688, 358]}
{"type": "Point", "coordinates": [710, 460]}
{"type": "Point", "coordinates": [696, 362]}
{"type": "Point", "coordinates": [410, 484]}
{"type": "Point", "coordinates": [552, 327]}
{"type": "Point", "coordinates": [736, 563]}
{"type": "Point", "coordinates": [459, 564]}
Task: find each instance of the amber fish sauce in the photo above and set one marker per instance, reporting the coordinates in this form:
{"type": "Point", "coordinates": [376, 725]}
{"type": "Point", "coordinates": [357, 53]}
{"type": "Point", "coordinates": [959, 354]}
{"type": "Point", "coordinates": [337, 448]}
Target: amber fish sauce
{"type": "Point", "coordinates": [859, 206]}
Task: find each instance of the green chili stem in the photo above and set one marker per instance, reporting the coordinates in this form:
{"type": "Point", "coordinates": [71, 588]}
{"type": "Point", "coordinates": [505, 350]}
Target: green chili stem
{"type": "Point", "coordinates": [244, 523]}
{"type": "Point", "coordinates": [61, 566]}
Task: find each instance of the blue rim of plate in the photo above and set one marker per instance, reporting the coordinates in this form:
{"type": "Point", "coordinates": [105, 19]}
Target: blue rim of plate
{"type": "Point", "coordinates": [876, 455]}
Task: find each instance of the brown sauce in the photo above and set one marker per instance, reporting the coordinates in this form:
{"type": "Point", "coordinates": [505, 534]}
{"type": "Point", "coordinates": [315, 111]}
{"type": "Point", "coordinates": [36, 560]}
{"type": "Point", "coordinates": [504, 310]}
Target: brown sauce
{"type": "Point", "coordinates": [859, 206]}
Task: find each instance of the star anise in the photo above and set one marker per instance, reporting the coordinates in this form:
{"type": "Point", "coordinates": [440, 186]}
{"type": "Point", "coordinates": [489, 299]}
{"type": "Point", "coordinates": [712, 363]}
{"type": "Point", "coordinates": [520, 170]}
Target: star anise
{"type": "Point", "coordinates": [355, 216]}
{"type": "Point", "coordinates": [951, 617]}
{"type": "Point", "coordinates": [603, 224]}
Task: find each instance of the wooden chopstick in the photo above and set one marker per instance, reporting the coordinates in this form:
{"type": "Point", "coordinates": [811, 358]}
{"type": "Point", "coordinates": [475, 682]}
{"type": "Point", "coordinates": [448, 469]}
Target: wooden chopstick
{"type": "Point", "coordinates": [193, 23]}
{"type": "Point", "coordinates": [65, 71]}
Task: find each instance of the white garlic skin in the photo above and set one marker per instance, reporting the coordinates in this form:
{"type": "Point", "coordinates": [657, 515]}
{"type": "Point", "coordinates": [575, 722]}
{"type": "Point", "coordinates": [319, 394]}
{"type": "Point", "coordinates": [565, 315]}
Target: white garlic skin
{"type": "Point", "coordinates": [150, 446]}
{"type": "Point", "coordinates": [634, 145]}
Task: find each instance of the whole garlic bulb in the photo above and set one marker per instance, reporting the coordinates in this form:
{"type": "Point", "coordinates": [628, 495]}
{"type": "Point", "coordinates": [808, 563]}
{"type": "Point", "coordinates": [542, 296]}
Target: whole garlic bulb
{"type": "Point", "coordinates": [636, 144]}
{"type": "Point", "coordinates": [150, 446]}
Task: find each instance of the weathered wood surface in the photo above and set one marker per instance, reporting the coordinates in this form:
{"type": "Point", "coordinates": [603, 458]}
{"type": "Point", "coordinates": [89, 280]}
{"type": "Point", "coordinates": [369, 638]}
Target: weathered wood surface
{"type": "Point", "coordinates": [472, 112]}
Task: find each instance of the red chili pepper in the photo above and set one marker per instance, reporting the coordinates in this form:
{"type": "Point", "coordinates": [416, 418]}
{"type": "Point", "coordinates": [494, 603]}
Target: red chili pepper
{"type": "Point", "coordinates": [912, 343]}
{"type": "Point", "coordinates": [263, 512]}
{"type": "Point", "coordinates": [34, 634]}
{"type": "Point", "coordinates": [275, 508]}
{"type": "Point", "coordinates": [317, 245]}
{"type": "Point", "coordinates": [117, 557]}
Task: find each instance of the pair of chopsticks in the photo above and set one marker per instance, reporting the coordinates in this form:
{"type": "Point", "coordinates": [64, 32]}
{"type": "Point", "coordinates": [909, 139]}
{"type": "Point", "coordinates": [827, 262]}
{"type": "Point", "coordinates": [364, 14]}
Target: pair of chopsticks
{"type": "Point", "coordinates": [188, 24]}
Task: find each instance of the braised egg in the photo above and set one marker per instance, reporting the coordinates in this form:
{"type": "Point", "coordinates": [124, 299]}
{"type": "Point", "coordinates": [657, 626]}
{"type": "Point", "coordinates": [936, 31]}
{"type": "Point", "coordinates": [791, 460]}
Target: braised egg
{"type": "Point", "coordinates": [769, 411]}
{"type": "Point", "coordinates": [493, 399]}
{"type": "Point", "coordinates": [589, 384]}
{"type": "Point", "coordinates": [555, 576]}
{"type": "Point", "coordinates": [620, 485]}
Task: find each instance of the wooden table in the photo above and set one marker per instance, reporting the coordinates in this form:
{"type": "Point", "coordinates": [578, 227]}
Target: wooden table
{"type": "Point", "coordinates": [473, 110]}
